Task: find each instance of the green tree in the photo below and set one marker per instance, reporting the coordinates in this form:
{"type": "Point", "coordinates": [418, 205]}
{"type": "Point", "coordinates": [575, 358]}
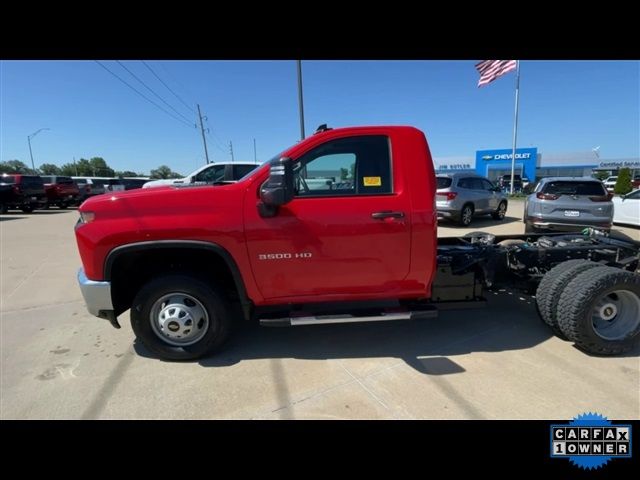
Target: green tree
{"type": "Point", "coordinates": [164, 172]}
{"type": "Point", "coordinates": [50, 169]}
{"type": "Point", "coordinates": [81, 168]}
{"type": "Point", "coordinates": [100, 167]}
{"type": "Point", "coordinates": [601, 175]}
{"type": "Point", "coordinates": [69, 169]}
{"type": "Point", "coordinates": [344, 173]}
{"type": "Point", "coordinates": [15, 166]}
{"type": "Point", "coordinates": [623, 184]}
{"type": "Point", "coordinates": [127, 173]}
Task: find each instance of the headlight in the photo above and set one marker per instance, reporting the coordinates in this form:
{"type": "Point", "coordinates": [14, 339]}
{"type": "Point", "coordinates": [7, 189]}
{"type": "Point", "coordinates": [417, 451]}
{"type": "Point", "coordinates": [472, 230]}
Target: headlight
{"type": "Point", "coordinates": [87, 217]}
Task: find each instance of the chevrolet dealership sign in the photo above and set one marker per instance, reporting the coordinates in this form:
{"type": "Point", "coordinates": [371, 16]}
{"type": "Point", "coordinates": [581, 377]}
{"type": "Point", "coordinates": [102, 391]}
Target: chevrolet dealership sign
{"type": "Point", "coordinates": [507, 156]}
{"type": "Point", "coordinates": [499, 161]}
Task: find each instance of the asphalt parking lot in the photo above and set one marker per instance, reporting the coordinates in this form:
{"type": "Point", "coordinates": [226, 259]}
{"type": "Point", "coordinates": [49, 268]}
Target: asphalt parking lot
{"type": "Point", "coordinates": [501, 362]}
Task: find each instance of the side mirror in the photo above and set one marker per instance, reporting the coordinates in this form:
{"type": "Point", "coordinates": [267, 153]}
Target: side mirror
{"type": "Point", "coordinates": [278, 190]}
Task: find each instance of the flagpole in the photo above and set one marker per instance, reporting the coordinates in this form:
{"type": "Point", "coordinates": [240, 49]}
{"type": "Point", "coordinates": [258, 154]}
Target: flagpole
{"type": "Point", "coordinates": [515, 126]}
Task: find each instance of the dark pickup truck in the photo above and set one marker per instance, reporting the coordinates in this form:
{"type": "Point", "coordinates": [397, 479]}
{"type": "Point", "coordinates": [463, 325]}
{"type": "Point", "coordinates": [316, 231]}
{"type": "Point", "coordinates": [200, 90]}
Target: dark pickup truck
{"type": "Point", "coordinates": [25, 192]}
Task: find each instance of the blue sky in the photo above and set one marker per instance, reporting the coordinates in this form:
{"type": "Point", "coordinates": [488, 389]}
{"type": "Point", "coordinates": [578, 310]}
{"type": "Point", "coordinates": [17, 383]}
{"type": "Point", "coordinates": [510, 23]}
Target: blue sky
{"type": "Point", "coordinates": [564, 106]}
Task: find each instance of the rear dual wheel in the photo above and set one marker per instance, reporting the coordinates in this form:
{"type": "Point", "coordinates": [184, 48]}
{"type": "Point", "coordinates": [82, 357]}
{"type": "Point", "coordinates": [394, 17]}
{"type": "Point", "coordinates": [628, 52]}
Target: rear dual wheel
{"type": "Point", "coordinates": [599, 310]}
{"type": "Point", "coordinates": [595, 306]}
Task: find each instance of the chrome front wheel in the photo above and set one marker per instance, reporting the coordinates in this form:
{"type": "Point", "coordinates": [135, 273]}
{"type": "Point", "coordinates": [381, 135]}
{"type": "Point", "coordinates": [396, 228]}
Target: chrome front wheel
{"type": "Point", "coordinates": [179, 319]}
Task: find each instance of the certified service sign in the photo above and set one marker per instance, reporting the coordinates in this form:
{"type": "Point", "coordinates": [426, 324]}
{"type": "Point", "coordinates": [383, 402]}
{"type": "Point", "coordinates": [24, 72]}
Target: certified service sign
{"type": "Point", "coordinates": [590, 441]}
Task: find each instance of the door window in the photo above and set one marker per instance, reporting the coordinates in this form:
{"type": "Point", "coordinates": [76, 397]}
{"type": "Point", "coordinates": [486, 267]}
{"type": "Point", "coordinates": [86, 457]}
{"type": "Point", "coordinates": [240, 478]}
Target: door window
{"type": "Point", "coordinates": [346, 166]}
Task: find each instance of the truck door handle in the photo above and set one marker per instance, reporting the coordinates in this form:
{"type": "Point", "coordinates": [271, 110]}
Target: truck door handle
{"type": "Point", "coordinates": [387, 214]}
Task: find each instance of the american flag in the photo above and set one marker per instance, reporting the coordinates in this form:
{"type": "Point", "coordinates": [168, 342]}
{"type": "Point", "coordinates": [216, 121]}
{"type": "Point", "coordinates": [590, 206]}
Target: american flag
{"type": "Point", "coordinates": [491, 69]}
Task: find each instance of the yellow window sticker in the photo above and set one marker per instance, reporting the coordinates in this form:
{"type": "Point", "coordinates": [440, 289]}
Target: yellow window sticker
{"type": "Point", "coordinates": [372, 181]}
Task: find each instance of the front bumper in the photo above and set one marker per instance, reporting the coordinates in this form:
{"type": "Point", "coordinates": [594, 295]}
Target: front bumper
{"type": "Point", "coordinates": [97, 297]}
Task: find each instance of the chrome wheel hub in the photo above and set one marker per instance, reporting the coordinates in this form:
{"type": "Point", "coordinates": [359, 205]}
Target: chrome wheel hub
{"type": "Point", "coordinates": [179, 319]}
{"type": "Point", "coordinates": [616, 315]}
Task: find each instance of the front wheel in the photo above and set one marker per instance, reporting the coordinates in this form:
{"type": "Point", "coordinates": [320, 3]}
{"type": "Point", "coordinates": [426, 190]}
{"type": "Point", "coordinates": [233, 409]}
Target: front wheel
{"type": "Point", "coordinates": [179, 317]}
{"type": "Point", "coordinates": [27, 208]}
{"type": "Point", "coordinates": [500, 212]}
{"type": "Point", "coordinates": [599, 310]}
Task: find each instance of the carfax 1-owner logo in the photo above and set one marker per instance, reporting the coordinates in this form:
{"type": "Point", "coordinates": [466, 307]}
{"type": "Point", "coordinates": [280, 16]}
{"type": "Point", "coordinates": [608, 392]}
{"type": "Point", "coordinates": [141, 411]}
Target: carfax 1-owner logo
{"type": "Point", "coordinates": [590, 441]}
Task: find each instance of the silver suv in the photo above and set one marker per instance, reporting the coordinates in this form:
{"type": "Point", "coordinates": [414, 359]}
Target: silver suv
{"type": "Point", "coordinates": [461, 196]}
{"type": "Point", "coordinates": [568, 204]}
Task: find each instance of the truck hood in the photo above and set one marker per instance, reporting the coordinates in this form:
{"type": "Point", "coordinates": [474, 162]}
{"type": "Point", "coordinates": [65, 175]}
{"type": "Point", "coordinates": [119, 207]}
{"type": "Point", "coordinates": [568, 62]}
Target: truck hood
{"type": "Point", "coordinates": [146, 209]}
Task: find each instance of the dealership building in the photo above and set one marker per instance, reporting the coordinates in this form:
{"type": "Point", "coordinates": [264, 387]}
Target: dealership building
{"type": "Point", "coordinates": [532, 164]}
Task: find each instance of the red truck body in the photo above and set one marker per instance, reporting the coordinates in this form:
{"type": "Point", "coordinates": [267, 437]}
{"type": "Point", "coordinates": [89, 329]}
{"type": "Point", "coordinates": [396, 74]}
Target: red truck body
{"type": "Point", "coordinates": [339, 228]}
{"type": "Point", "coordinates": [61, 191]}
{"type": "Point", "coordinates": [317, 249]}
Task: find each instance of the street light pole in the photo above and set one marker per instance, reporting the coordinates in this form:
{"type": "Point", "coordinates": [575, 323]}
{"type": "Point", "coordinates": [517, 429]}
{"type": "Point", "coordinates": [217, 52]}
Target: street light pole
{"type": "Point", "coordinates": [300, 100]}
{"type": "Point", "coordinates": [31, 154]}
{"type": "Point", "coordinates": [29, 137]}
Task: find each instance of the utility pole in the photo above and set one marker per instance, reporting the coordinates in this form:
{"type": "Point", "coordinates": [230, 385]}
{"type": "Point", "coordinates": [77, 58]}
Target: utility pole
{"type": "Point", "coordinates": [231, 150]}
{"type": "Point", "coordinates": [300, 102]}
{"type": "Point", "coordinates": [255, 155]}
{"type": "Point", "coordinates": [204, 140]}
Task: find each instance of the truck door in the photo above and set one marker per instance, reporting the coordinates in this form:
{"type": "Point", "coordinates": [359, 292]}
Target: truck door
{"type": "Point", "coordinates": [347, 230]}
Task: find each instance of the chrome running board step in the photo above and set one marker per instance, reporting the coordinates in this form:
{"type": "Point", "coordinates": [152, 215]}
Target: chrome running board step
{"type": "Point", "coordinates": [322, 319]}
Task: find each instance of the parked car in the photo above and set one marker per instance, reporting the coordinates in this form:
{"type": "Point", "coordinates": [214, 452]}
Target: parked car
{"type": "Point", "coordinates": [568, 204]}
{"type": "Point", "coordinates": [610, 182]}
{"type": "Point", "coordinates": [505, 183]}
{"type": "Point", "coordinates": [61, 191]}
{"type": "Point", "coordinates": [84, 185]}
{"type": "Point", "coordinates": [6, 193]}
{"type": "Point", "coordinates": [27, 192]}
{"type": "Point", "coordinates": [626, 209]}
{"type": "Point", "coordinates": [133, 183]}
{"type": "Point", "coordinates": [461, 196]}
{"type": "Point", "coordinates": [211, 173]}
{"type": "Point", "coordinates": [92, 186]}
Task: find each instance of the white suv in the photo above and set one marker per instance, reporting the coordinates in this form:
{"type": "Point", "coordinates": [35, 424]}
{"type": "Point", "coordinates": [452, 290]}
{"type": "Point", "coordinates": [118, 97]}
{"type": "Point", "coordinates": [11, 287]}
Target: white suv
{"type": "Point", "coordinates": [211, 173]}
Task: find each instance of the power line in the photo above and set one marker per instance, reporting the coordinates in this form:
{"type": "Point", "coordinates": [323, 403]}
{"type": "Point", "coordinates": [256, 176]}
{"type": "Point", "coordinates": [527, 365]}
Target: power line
{"type": "Point", "coordinates": [177, 82]}
{"type": "Point", "coordinates": [168, 88]}
{"type": "Point", "coordinates": [151, 90]}
{"type": "Point", "coordinates": [143, 96]}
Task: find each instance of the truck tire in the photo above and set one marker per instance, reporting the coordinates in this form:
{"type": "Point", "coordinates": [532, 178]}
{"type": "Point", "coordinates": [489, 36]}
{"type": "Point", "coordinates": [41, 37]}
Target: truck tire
{"type": "Point", "coordinates": [466, 214]}
{"type": "Point", "coordinates": [500, 212]}
{"type": "Point", "coordinates": [599, 310]}
{"type": "Point", "coordinates": [27, 208]}
{"type": "Point", "coordinates": [3, 208]}
{"type": "Point", "coordinates": [179, 317]}
{"type": "Point", "coordinates": [551, 287]}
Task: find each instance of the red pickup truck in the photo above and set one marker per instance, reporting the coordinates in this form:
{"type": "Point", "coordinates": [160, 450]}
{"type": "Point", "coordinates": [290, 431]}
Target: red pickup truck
{"type": "Point", "coordinates": [341, 228]}
{"type": "Point", "coordinates": [61, 191]}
